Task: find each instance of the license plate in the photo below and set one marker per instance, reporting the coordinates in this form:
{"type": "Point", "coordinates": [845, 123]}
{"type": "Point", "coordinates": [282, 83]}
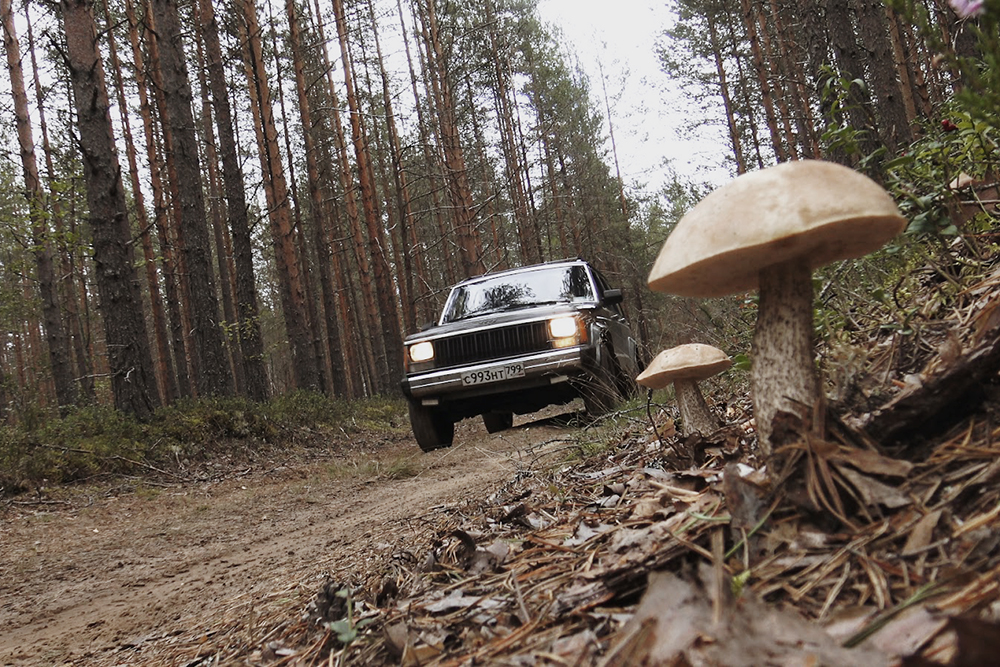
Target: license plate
{"type": "Point", "coordinates": [493, 374]}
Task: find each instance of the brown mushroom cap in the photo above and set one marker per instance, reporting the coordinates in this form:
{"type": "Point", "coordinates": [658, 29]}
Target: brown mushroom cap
{"type": "Point", "coordinates": [817, 210]}
{"type": "Point", "coordinates": [693, 361]}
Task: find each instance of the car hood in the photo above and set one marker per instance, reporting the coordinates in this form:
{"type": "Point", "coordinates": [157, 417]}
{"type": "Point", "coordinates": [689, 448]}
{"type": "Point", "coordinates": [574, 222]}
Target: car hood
{"type": "Point", "coordinates": [501, 319]}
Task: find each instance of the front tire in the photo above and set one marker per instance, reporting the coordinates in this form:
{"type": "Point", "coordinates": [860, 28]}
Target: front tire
{"type": "Point", "coordinates": [498, 421]}
{"type": "Point", "coordinates": [433, 429]}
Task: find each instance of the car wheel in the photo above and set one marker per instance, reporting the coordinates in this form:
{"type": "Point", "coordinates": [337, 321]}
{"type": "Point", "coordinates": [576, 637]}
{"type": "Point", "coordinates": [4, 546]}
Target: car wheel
{"type": "Point", "coordinates": [433, 429]}
{"type": "Point", "coordinates": [498, 421]}
{"type": "Point", "coordinates": [600, 393]}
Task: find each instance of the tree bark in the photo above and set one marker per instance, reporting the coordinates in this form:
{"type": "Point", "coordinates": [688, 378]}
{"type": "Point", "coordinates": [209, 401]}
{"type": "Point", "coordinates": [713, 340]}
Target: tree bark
{"type": "Point", "coordinates": [214, 377]}
{"type": "Point", "coordinates": [71, 304]}
{"type": "Point", "coordinates": [223, 246]}
{"type": "Point", "coordinates": [451, 146]}
{"type": "Point", "coordinates": [304, 364]}
{"type": "Point", "coordinates": [320, 222]}
{"type": "Point", "coordinates": [404, 206]}
{"type": "Point", "coordinates": [57, 341]}
{"type": "Point", "coordinates": [391, 368]}
{"type": "Point", "coordinates": [734, 135]}
{"type": "Point", "coordinates": [248, 322]}
{"type": "Point", "coordinates": [167, 380]}
{"type": "Point", "coordinates": [132, 379]}
{"type": "Point", "coordinates": [169, 258]}
{"type": "Point", "coordinates": [893, 124]}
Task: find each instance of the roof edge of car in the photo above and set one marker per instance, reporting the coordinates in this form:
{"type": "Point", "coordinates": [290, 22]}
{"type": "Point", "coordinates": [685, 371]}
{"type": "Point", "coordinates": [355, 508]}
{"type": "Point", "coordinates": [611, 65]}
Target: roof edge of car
{"type": "Point", "coordinates": [526, 267]}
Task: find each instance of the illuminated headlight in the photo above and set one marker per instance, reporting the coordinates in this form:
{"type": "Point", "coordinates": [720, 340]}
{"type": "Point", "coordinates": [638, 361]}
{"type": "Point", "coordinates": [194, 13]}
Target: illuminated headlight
{"type": "Point", "coordinates": [562, 327]}
{"type": "Point", "coordinates": [566, 331]}
{"type": "Point", "coordinates": [422, 351]}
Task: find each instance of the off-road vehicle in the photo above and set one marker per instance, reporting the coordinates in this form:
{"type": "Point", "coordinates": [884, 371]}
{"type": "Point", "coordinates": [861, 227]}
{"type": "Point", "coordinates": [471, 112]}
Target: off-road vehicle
{"type": "Point", "coordinates": [515, 341]}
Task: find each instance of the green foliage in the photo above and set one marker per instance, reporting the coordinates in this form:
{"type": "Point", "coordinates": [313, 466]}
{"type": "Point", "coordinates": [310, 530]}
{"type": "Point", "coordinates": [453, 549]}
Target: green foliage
{"type": "Point", "coordinates": [920, 179]}
{"type": "Point", "coordinates": [347, 629]}
{"type": "Point", "coordinates": [100, 441]}
{"type": "Point", "coordinates": [85, 443]}
{"type": "Point", "coordinates": [839, 135]}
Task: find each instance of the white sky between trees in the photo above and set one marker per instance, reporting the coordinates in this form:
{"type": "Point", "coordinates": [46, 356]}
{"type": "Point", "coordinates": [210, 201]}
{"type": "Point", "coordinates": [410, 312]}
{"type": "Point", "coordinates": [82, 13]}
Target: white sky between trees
{"type": "Point", "coordinates": [648, 112]}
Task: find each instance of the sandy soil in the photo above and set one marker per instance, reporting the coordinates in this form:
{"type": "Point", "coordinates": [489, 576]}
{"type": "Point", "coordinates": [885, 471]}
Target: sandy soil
{"type": "Point", "coordinates": [92, 579]}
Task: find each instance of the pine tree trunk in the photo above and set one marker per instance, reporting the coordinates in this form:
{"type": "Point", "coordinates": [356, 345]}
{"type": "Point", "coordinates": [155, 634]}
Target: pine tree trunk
{"type": "Point", "coordinates": [131, 365]}
{"type": "Point", "coordinates": [362, 365]}
{"type": "Point", "coordinates": [282, 235]}
{"type": "Point", "coordinates": [313, 325]}
{"type": "Point", "coordinates": [791, 57]}
{"type": "Point", "coordinates": [893, 125]}
{"type": "Point", "coordinates": [214, 377]}
{"type": "Point", "coordinates": [903, 67]}
{"type": "Point", "coordinates": [426, 309]}
{"type": "Point", "coordinates": [850, 66]}
{"type": "Point", "coordinates": [169, 260]}
{"type": "Point", "coordinates": [734, 136]}
{"type": "Point", "coordinates": [55, 333]}
{"type": "Point", "coordinates": [320, 222]}
{"type": "Point", "coordinates": [248, 322]}
{"type": "Point", "coordinates": [223, 247]}
{"type": "Point", "coordinates": [404, 206]}
{"type": "Point", "coordinates": [750, 23]}
{"type": "Point", "coordinates": [83, 362]}
{"type": "Point", "coordinates": [776, 82]}
{"type": "Point", "coordinates": [391, 366]}
{"type": "Point", "coordinates": [167, 382]}
{"type": "Point", "coordinates": [456, 176]}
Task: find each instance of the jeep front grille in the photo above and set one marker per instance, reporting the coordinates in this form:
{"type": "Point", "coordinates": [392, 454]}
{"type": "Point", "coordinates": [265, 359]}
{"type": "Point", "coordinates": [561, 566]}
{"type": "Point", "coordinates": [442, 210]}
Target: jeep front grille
{"type": "Point", "coordinates": [491, 344]}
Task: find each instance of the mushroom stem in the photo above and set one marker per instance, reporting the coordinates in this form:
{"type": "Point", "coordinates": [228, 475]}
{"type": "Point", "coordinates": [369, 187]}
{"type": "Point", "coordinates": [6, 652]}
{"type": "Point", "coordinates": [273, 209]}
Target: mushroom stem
{"type": "Point", "coordinates": [783, 377]}
{"type": "Point", "coordinates": [695, 413]}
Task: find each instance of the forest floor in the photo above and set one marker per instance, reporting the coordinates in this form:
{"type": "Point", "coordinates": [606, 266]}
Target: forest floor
{"type": "Point", "coordinates": [105, 576]}
{"type": "Point", "coordinates": [559, 542]}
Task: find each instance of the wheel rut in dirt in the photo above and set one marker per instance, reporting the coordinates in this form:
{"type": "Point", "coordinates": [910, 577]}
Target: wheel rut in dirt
{"type": "Point", "coordinates": [80, 584]}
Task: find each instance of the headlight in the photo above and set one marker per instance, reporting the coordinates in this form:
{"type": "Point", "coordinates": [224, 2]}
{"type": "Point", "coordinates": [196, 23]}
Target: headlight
{"type": "Point", "coordinates": [422, 351]}
{"type": "Point", "coordinates": [564, 327]}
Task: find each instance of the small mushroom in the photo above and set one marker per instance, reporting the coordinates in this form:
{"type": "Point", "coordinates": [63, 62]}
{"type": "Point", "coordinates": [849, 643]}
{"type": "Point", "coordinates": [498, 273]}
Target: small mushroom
{"type": "Point", "coordinates": [768, 230]}
{"type": "Point", "coordinates": [686, 366]}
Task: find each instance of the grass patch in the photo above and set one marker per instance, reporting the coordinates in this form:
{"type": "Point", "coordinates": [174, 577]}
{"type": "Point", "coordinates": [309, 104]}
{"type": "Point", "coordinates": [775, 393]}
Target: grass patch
{"type": "Point", "coordinates": [101, 442]}
{"type": "Point", "coordinates": [400, 467]}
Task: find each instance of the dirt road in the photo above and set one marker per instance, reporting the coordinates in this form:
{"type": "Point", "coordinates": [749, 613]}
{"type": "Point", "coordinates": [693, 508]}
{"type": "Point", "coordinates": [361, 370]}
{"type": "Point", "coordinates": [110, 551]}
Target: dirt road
{"type": "Point", "coordinates": [95, 579]}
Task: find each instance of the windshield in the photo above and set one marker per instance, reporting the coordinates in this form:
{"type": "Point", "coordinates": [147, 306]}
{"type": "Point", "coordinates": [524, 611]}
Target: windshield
{"type": "Point", "coordinates": [557, 284]}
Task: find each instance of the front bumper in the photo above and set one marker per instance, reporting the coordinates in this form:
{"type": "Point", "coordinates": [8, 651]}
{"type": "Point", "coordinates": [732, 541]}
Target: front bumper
{"type": "Point", "coordinates": [548, 367]}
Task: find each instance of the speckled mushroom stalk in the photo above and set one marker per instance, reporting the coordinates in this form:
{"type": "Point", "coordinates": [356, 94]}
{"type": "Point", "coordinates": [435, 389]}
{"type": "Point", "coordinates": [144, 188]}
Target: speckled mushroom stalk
{"type": "Point", "coordinates": [768, 230]}
{"type": "Point", "coordinates": [696, 416]}
{"type": "Point", "coordinates": [783, 376]}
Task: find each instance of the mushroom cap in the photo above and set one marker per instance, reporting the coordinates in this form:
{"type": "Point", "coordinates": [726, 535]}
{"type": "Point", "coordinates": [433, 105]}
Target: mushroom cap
{"type": "Point", "coordinates": [810, 209]}
{"type": "Point", "coordinates": [693, 361]}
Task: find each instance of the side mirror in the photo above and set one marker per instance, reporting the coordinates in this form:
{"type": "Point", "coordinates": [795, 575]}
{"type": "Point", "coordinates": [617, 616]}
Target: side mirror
{"type": "Point", "coordinates": [612, 297]}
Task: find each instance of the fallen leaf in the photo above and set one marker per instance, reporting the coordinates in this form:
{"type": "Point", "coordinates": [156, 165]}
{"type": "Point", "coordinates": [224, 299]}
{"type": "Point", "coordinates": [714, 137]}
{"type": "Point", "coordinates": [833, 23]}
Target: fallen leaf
{"type": "Point", "coordinates": [874, 463]}
{"type": "Point", "coordinates": [907, 632]}
{"type": "Point", "coordinates": [454, 600]}
{"type": "Point", "coordinates": [872, 491]}
{"type": "Point", "coordinates": [921, 534]}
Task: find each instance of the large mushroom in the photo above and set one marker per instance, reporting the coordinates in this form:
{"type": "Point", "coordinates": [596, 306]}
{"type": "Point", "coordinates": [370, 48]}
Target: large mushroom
{"type": "Point", "coordinates": [685, 366]}
{"type": "Point", "coordinates": [768, 230]}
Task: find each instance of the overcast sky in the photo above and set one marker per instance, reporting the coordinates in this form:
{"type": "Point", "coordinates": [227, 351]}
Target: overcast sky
{"type": "Point", "coordinates": [620, 37]}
